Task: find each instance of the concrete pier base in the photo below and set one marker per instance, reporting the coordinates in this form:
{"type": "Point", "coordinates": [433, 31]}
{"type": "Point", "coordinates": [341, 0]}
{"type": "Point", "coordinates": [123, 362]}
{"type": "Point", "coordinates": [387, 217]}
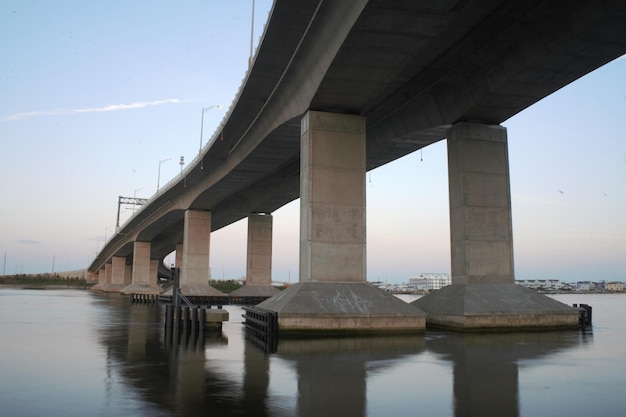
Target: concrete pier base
{"type": "Point", "coordinates": [495, 307]}
{"type": "Point", "coordinates": [197, 290]}
{"type": "Point", "coordinates": [141, 289]}
{"type": "Point", "coordinates": [255, 291]}
{"type": "Point", "coordinates": [342, 308]}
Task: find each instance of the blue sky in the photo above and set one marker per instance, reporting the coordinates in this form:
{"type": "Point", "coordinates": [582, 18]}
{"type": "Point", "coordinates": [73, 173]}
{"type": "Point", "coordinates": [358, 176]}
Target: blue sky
{"type": "Point", "coordinates": [95, 94]}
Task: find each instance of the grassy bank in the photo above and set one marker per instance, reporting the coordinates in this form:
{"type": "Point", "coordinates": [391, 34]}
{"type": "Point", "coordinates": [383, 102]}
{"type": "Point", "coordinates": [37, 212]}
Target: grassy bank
{"type": "Point", "coordinates": [43, 281]}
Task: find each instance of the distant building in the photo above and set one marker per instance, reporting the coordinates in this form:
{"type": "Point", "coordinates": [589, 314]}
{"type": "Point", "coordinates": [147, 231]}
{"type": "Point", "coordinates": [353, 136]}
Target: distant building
{"type": "Point", "coordinates": [614, 286]}
{"type": "Point", "coordinates": [429, 281]}
{"type": "Point", "coordinates": [541, 284]}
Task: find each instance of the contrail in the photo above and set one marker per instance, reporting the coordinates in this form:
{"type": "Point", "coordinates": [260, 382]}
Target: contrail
{"type": "Point", "coordinates": [110, 107]}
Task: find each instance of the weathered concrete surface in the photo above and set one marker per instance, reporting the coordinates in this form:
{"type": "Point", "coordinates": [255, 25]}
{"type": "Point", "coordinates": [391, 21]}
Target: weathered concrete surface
{"type": "Point", "coordinates": [216, 315]}
{"type": "Point", "coordinates": [332, 198]}
{"type": "Point", "coordinates": [141, 263]}
{"type": "Point", "coordinates": [196, 248]}
{"type": "Point", "coordinates": [197, 291]}
{"type": "Point", "coordinates": [342, 307]}
{"type": "Point", "coordinates": [481, 236]}
{"type": "Point", "coordinates": [259, 251]}
{"type": "Point", "coordinates": [141, 289]}
{"type": "Point", "coordinates": [195, 273]}
{"type": "Point", "coordinates": [495, 307]}
{"type": "Point", "coordinates": [255, 291]}
{"type": "Point", "coordinates": [483, 294]}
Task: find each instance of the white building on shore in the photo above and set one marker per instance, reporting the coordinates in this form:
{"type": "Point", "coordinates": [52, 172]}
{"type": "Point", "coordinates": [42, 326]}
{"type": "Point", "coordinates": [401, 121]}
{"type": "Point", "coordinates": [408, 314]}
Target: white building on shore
{"type": "Point", "coordinates": [429, 281]}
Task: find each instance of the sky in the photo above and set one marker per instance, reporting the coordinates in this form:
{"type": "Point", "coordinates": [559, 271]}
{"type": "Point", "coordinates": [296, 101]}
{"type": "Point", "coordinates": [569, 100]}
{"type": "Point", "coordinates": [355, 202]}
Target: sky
{"type": "Point", "coordinates": [100, 99]}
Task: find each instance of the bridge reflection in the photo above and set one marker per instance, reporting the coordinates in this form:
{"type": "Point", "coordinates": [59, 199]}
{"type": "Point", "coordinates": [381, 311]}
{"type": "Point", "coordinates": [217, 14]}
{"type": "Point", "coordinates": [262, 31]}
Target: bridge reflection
{"type": "Point", "coordinates": [228, 375]}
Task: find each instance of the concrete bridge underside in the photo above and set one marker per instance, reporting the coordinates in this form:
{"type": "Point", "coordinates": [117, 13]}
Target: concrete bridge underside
{"type": "Point", "coordinates": [413, 71]}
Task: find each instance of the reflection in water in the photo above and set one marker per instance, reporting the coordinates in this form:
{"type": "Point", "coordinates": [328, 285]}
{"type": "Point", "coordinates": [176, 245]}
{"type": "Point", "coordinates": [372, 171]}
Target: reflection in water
{"type": "Point", "coordinates": [486, 381]}
{"type": "Point", "coordinates": [332, 373]}
{"type": "Point", "coordinates": [53, 365]}
{"type": "Point", "coordinates": [188, 376]}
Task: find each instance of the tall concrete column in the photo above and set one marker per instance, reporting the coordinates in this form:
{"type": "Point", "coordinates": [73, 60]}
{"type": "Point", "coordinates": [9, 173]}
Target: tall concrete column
{"type": "Point", "coordinates": [483, 294]}
{"type": "Point", "coordinates": [332, 198]}
{"type": "Point", "coordinates": [141, 263]}
{"type": "Point", "coordinates": [333, 294]}
{"type": "Point", "coordinates": [128, 274]}
{"type": "Point", "coordinates": [101, 280]}
{"type": "Point", "coordinates": [196, 248]}
{"type": "Point", "coordinates": [195, 273]}
{"type": "Point", "coordinates": [108, 274]}
{"type": "Point", "coordinates": [179, 255]}
{"type": "Point", "coordinates": [480, 204]}
{"type": "Point", "coordinates": [259, 256]}
{"type": "Point", "coordinates": [143, 276]}
{"type": "Point", "coordinates": [153, 277]}
{"type": "Point", "coordinates": [118, 266]}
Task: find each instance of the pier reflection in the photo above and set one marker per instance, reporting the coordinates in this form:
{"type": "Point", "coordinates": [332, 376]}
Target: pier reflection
{"type": "Point", "coordinates": [485, 366]}
{"type": "Point", "coordinates": [228, 375]}
{"type": "Point", "coordinates": [332, 373]}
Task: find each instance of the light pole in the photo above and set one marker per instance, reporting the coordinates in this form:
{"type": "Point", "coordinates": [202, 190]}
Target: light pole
{"type": "Point", "coordinates": [181, 162]}
{"type": "Point", "coordinates": [204, 110]}
{"type": "Point", "coordinates": [159, 176]}
{"type": "Point", "coordinates": [251, 37]}
{"type": "Point", "coordinates": [135, 196]}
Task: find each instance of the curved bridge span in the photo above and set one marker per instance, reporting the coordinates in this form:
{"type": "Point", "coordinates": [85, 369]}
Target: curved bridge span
{"type": "Point", "coordinates": [409, 70]}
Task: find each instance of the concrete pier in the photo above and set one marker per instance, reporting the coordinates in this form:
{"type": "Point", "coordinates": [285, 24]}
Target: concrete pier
{"type": "Point", "coordinates": [259, 258]}
{"type": "Point", "coordinates": [195, 273]}
{"type": "Point", "coordinates": [483, 294]}
{"type": "Point", "coordinates": [118, 270]}
{"type": "Point", "coordinates": [144, 271]}
{"type": "Point", "coordinates": [333, 295]}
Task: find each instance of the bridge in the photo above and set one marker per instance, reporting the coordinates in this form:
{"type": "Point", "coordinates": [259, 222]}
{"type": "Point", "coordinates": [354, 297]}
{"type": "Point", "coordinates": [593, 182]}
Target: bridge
{"type": "Point", "coordinates": [339, 88]}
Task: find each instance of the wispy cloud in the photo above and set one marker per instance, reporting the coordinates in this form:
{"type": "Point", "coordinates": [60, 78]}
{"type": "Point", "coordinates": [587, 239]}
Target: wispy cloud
{"type": "Point", "coordinates": [27, 242]}
{"type": "Point", "coordinates": [111, 107]}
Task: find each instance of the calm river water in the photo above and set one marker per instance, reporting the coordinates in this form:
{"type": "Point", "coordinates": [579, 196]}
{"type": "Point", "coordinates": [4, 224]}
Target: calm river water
{"type": "Point", "coordinates": [78, 353]}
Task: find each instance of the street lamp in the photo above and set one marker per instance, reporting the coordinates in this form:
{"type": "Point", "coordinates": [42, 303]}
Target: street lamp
{"type": "Point", "coordinates": [134, 197]}
{"type": "Point", "coordinates": [251, 37]}
{"type": "Point", "coordinates": [159, 176]}
{"type": "Point", "coordinates": [181, 162]}
{"type": "Point", "coordinates": [204, 110]}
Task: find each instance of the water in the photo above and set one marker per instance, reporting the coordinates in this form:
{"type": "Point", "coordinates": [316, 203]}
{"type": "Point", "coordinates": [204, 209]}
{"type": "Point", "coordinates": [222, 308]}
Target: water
{"type": "Point", "coordinates": [78, 353]}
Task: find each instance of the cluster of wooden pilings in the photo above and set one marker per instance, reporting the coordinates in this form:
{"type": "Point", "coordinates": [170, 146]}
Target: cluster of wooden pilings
{"type": "Point", "coordinates": [144, 298]}
{"type": "Point", "coordinates": [185, 318]}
